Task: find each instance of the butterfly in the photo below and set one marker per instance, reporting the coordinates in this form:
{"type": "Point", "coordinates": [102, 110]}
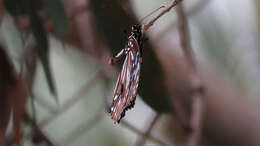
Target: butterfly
{"type": "Point", "coordinates": [127, 83]}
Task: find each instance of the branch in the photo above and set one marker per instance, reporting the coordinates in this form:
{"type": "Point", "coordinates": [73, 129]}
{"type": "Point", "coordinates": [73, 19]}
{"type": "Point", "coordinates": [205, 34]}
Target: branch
{"type": "Point", "coordinates": [196, 120]}
{"type": "Point", "coordinates": [149, 24]}
{"type": "Point", "coordinates": [199, 6]}
{"type": "Point", "coordinates": [143, 137]}
{"type": "Point", "coordinates": [37, 130]}
{"type": "Point", "coordinates": [197, 87]}
{"type": "Point", "coordinates": [139, 132]}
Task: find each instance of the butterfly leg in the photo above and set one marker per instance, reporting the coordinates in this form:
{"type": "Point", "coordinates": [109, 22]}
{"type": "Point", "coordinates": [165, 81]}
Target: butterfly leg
{"type": "Point", "coordinates": [112, 60]}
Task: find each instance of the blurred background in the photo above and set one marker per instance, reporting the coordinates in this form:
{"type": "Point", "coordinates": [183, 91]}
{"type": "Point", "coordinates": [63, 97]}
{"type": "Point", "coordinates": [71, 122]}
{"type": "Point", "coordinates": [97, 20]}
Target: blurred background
{"type": "Point", "coordinates": [56, 83]}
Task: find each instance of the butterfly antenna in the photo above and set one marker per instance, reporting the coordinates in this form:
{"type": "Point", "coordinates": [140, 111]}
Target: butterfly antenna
{"type": "Point", "coordinates": [151, 13]}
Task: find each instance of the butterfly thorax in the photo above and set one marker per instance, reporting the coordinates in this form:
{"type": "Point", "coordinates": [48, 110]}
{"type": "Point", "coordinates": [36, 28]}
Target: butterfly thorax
{"type": "Point", "coordinates": [137, 34]}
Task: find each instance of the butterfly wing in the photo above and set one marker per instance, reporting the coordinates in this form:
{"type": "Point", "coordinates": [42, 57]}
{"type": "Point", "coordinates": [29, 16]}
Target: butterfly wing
{"type": "Point", "coordinates": [127, 83]}
{"type": "Point", "coordinates": [119, 96]}
{"type": "Point", "coordinates": [136, 61]}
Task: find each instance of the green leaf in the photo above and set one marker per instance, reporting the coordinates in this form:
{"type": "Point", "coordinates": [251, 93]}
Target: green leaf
{"type": "Point", "coordinates": [42, 43]}
{"type": "Point", "coordinates": [47, 70]}
{"type": "Point", "coordinates": [58, 16]}
{"type": "Point", "coordinates": [112, 20]}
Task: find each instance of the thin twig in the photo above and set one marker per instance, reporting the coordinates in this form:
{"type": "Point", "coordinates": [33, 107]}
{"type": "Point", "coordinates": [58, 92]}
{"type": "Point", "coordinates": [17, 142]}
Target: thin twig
{"type": "Point", "coordinates": [196, 120]}
{"type": "Point", "coordinates": [185, 36]}
{"type": "Point", "coordinates": [37, 130]}
{"type": "Point", "coordinates": [197, 87]}
{"type": "Point", "coordinates": [143, 137]}
{"type": "Point", "coordinates": [180, 114]}
{"type": "Point", "coordinates": [139, 132]}
{"type": "Point", "coordinates": [85, 127]}
{"type": "Point", "coordinates": [150, 23]}
{"type": "Point", "coordinates": [199, 6]}
{"type": "Point", "coordinates": [46, 105]}
{"type": "Point", "coordinates": [74, 99]}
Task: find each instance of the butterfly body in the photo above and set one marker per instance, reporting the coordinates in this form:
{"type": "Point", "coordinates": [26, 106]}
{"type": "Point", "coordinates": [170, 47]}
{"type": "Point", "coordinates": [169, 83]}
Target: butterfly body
{"type": "Point", "coordinates": [127, 83]}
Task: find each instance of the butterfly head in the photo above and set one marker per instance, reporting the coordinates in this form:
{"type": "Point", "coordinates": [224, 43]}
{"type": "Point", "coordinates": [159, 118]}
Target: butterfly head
{"type": "Point", "coordinates": [137, 32]}
{"type": "Point", "coordinates": [136, 28]}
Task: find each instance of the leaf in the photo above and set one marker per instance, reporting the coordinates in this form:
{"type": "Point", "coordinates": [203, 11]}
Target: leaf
{"type": "Point", "coordinates": [112, 20]}
{"type": "Point", "coordinates": [42, 44]}
{"type": "Point", "coordinates": [57, 14]}
{"type": "Point", "coordinates": [47, 70]}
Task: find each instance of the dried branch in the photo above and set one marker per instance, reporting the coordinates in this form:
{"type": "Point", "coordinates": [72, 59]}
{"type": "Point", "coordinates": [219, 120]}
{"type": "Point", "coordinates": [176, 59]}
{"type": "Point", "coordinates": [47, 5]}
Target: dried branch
{"type": "Point", "coordinates": [143, 137]}
{"type": "Point", "coordinates": [150, 23]}
{"type": "Point", "coordinates": [37, 130]}
{"type": "Point", "coordinates": [180, 115]}
{"type": "Point", "coordinates": [74, 99]}
{"type": "Point", "coordinates": [197, 87]}
{"type": "Point", "coordinates": [199, 6]}
{"type": "Point", "coordinates": [139, 132]}
{"type": "Point", "coordinates": [196, 120]}
{"type": "Point", "coordinates": [184, 36]}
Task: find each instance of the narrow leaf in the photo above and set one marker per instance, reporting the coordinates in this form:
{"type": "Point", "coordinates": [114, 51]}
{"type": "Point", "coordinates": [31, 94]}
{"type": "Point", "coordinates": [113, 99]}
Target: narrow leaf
{"type": "Point", "coordinates": [42, 44]}
{"type": "Point", "coordinates": [57, 14]}
{"type": "Point", "coordinates": [47, 70]}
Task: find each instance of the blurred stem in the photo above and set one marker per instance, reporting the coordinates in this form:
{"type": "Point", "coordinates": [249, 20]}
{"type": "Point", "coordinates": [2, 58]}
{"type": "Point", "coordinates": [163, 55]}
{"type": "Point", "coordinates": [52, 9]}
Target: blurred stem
{"type": "Point", "coordinates": [73, 100]}
{"type": "Point", "coordinates": [197, 87]}
{"type": "Point", "coordinates": [150, 23]}
{"type": "Point", "coordinates": [190, 13]}
{"type": "Point", "coordinates": [143, 137]}
{"type": "Point", "coordinates": [37, 130]}
{"type": "Point", "coordinates": [185, 36]}
{"type": "Point", "coordinates": [32, 103]}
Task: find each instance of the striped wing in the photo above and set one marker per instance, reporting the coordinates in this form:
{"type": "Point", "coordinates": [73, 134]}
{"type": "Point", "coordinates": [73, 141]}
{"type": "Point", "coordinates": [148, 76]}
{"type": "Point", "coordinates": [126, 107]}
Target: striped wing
{"type": "Point", "coordinates": [127, 83]}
